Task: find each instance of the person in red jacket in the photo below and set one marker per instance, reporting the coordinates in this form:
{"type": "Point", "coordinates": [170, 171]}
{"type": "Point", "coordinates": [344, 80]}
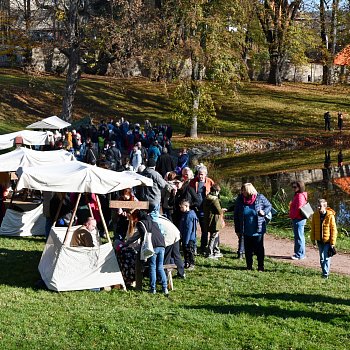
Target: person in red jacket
{"type": "Point", "coordinates": [202, 185]}
{"type": "Point", "coordinates": [299, 200]}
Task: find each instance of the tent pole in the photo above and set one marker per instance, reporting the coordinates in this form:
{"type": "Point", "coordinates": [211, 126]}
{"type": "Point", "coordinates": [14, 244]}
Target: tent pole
{"type": "Point", "coordinates": [72, 218]}
{"type": "Point", "coordinates": [103, 218]}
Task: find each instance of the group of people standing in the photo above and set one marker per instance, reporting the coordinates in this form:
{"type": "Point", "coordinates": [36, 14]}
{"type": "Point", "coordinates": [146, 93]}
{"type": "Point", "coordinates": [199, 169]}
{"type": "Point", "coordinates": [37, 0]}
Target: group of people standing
{"type": "Point", "coordinates": [327, 121]}
{"type": "Point", "coordinates": [252, 212]}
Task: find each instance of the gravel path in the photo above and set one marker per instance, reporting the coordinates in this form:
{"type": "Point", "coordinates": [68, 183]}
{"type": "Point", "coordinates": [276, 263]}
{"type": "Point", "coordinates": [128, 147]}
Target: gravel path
{"type": "Point", "coordinates": [282, 249]}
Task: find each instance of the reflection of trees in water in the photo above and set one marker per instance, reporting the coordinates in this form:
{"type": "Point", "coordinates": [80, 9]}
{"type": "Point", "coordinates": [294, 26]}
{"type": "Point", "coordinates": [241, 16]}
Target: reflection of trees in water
{"type": "Point", "coordinates": [343, 215]}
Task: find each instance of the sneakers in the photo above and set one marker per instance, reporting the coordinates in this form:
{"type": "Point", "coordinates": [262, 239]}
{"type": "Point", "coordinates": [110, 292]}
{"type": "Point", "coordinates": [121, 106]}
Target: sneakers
{"type": "Point", "coordinates": [152, 291]}
{"type": "Point", "coordinates": [181, 276]}
{"type": "Point", "coordinates": [294, 257]}
{"type": "Point", "coordinates": [212, 256]}
{"type": "Point", "coordinates": [218, 255]}
{"type": "Point", "coordinates": [166, 292]}
{"type": "Point", "coordinates": [190, 268]}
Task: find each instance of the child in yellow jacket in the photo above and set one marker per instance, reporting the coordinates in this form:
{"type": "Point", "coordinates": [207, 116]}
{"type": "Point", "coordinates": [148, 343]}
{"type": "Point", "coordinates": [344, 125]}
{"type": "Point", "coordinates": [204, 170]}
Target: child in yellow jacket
{"type": "Point", "coordinates": [324, 233]}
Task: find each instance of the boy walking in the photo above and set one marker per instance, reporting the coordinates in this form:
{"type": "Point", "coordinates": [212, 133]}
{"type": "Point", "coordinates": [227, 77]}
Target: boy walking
{"type": "Point", "coordinates": [324, 232]}
{"type": "Point", "coordinates": [188, 231]}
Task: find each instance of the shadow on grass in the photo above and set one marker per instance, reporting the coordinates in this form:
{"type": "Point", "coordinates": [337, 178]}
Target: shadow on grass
{"type": "Point", "coordinates": [271, 310]}
{"type": "Point", "coordinates": [299, 298]}
{"type": "Point", "coordinates": [19, 268]}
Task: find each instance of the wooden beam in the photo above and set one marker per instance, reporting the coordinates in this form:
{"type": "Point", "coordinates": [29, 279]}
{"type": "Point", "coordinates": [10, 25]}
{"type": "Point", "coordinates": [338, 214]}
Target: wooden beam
{"type": "Point", "coordinates": [129, 204]}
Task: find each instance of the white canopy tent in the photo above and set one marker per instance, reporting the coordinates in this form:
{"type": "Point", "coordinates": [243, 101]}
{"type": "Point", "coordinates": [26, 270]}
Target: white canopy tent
{"type": "Point", "coordinates": [78, 177]}
{"type": "Point", "coordinates": [29, 137]}
{"type": "Point", "coordinates": [62, 267]}
{"type": "Point", "coordinates": [52, 123]}
{"type": "Point", "coordinates": [32, 222]}
{"type": "Point", "coordinates": [22, 157]}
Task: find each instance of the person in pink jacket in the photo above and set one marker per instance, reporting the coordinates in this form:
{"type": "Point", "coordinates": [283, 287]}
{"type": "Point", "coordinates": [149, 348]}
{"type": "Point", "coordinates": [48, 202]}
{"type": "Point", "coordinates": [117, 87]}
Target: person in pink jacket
{"type": "Point", "coordinates": [298, 221]}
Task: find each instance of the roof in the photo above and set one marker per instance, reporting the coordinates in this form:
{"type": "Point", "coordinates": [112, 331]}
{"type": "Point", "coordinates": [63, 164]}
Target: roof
{"type": "Point", "coordinates": [343, 57]}
{"type": "Point", "coordinates": [49, 123]}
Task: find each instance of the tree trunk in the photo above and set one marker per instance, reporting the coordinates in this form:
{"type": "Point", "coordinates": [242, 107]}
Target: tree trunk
{"type": "Point", "coordinates": [275, 70]}
{"type": "Point", "coordinates": [73, 53]}
{"type": "Point", "coordinates": [195, 108]}
{"type": "Point", "coordinates": [72, 79]}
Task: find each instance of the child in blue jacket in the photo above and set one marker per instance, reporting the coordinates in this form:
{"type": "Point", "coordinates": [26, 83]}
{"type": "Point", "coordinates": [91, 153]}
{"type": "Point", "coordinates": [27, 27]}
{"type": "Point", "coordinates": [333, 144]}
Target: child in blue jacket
{"type": "Point", "coordinates": [188, 231]}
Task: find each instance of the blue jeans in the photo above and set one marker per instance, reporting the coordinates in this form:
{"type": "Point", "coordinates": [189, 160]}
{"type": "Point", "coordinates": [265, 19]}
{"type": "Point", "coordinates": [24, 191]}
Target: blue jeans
{"type": "Point", "coordinates": [299, 237]}
{"type": "Point", "coordinates": [155, 263]}
{"type": "Point", "coordinates": [325, 260]}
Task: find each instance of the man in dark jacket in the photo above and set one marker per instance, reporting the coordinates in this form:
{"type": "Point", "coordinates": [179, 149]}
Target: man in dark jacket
{"type": "Point", "coordinates": [165, 163]}
{"type": "Point", "coordinates": [113, 156]}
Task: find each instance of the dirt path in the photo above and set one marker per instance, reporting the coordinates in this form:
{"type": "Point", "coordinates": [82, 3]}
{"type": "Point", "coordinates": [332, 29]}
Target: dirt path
{"type": "Point", "coordinates": [282, 249]}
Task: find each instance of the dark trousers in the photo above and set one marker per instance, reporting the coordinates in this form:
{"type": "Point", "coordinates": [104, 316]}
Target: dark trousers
{"type": "Point", "coordinates": [204, 234]}
{"type": "Point", "coordinates": [172, 252]}
{"type": "Point", "coordinates": [327, 125]}
{"type": "Point", "coordinates": [254, 245]}
{"type": "Point", "coordinates": [189, 250]}
{"type": "Point", "coordinates": [240, 244]}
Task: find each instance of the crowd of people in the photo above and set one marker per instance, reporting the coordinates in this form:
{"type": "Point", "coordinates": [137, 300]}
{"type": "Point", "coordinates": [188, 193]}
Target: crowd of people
{"type": "Point", "coordinates": [189, 199]}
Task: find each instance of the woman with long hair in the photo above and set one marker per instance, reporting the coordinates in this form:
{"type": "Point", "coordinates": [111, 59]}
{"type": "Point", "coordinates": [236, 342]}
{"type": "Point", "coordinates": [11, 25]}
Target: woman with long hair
{"type": "Point", "coordinates": [298, 221]}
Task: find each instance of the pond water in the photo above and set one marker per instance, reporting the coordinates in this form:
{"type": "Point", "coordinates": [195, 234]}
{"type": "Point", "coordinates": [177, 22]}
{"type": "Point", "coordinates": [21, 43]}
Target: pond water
{"type": "Point", "coordinates": [271, 172]}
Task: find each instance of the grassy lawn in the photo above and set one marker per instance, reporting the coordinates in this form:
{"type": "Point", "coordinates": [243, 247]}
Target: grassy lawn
{"type": "Point", "coordinates": [255, 110]}
{"type": "Point", "coordinates": [219, 306]}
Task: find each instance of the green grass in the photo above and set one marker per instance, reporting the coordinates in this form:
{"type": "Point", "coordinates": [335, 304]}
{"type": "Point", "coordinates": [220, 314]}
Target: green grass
{"type": "Point", "coordinates": [256, 110]}
{"type": "Point", "coordinates": [219, 306]}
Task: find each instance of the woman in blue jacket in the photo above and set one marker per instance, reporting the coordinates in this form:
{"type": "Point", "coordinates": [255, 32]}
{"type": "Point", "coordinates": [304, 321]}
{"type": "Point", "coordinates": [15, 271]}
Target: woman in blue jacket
{"type": "Point", "coordinates": [249, 220]}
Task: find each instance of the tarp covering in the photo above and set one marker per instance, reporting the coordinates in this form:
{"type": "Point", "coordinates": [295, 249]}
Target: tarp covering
{"type": "Point", "coordinates": [21, 157]}
{"type": "Point", "coordinates": [65, 268]}
{"type": "Point", "coordinates": [78, 177]}
{"type": "Point", "coordinates": [30, 137]}
{"type": "Point", "coordinates": [28, 223]}
{"type": "Point", "coordinates": [53, 122]}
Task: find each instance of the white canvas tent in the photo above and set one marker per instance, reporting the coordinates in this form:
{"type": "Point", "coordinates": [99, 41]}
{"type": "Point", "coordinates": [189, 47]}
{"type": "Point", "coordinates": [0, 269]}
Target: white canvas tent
{"type": "Point", "coordinates": [29, 137]}
{"type": "Point", "coordinates": [62, 267]}
{"type": "Point", "coordinates": [23, 224]}
{"type": "Point", "coordinates": [22, 157]}
{"type": "Point", "coordinates": [32, 222]}
{"type": "Point", "coordinates": [78, 177]}
{"type": "Point", "coordinates": [51, 123]}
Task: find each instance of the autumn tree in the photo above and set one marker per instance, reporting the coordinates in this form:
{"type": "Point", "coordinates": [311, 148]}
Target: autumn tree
{"type": "Point", "coordinates": [199, 45]}
{"type": "Point", "coordinates": [276, 18]}
{"type": "Point", "coordinates": [328, 32]}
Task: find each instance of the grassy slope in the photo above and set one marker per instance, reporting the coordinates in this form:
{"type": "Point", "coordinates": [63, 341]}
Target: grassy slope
{"type": "Point", "coordinates": [294, 109]}
{"type": "Point", "coordinates": [219, 306]}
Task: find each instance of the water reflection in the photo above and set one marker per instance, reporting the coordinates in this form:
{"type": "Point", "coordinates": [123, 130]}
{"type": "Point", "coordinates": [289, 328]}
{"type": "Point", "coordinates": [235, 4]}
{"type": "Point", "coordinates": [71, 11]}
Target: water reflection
{"type": "Point", "coordinates": [319, 184]}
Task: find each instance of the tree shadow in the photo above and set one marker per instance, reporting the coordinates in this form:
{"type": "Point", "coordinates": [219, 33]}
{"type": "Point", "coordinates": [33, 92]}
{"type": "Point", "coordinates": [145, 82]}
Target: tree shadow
{"type": "Point", "coordinates": [19, 268]}
{"type": "Point", "coordinates": [299, 298]}
{"type": "Point", "coordinates": [272, 310]}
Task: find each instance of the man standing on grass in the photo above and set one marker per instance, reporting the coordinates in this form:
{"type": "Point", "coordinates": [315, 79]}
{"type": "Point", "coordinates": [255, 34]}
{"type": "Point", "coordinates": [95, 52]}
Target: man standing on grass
{"type": "Point", "coordinates": [327, 121]}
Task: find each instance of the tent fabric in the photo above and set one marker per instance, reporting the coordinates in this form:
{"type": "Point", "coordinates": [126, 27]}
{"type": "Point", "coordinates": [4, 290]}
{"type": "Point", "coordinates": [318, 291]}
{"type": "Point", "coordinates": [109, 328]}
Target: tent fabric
{"type": "Point", "coordinates": [28, 223]}
{"type": "Point", "coordinates": [65, 268]}
{"type": "Point", "coordinates": [30, 137]}
{"type": "Point", "coordinates": [22, 156]}
{"type": "Point", "coordinates": [78, 177]}
{"type": "Point", "coordinates": [53, 122]}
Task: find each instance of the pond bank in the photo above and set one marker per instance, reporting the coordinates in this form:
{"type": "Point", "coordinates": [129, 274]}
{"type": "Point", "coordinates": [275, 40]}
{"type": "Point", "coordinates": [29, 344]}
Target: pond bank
{"type": "Point", "coordinates": [240, 143]}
